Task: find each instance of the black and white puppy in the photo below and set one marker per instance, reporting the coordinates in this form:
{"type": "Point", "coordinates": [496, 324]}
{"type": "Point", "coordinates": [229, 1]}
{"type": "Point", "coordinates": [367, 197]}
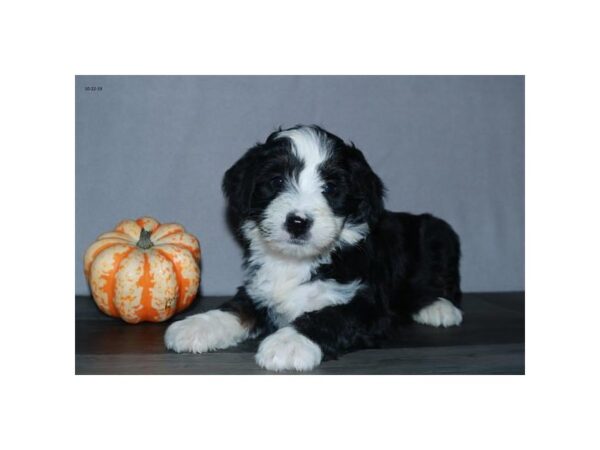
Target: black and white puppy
{"type": "Point", "coordinates": [327, 268]}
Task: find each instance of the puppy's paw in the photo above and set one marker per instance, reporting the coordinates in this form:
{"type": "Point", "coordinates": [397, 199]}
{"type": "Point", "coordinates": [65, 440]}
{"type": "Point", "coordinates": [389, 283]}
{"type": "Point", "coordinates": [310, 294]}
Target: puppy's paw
{"type": "Point", "coordinates": [441, 313]}
{"type": "Point", "coordinates": [286, 349]}
{"type": "Point", "coordinates": [204, 332]}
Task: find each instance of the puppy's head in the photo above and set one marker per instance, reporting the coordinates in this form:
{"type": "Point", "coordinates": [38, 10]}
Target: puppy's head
{"type": "Point", "coordinates": [303, 192]}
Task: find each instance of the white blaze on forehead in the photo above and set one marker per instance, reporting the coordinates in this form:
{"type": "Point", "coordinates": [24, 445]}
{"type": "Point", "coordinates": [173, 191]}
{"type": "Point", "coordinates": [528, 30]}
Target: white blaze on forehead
{"type": "Point", "coordinates": [312, 148]}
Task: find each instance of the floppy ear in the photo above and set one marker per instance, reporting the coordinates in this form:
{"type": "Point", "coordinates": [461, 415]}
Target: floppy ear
{"type": "Point", "coordinates": [367, 188]}
{"type": "Point", "coordinates": [238, 186]}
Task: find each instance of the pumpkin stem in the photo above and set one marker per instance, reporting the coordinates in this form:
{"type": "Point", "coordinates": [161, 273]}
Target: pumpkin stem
{"type": "Point", "coordinates": [145, 242]}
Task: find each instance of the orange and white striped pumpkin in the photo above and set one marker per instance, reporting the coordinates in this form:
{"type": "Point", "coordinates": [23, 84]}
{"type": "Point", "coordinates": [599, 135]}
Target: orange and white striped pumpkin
{"type": "Point", "coordinates": [143, 271]}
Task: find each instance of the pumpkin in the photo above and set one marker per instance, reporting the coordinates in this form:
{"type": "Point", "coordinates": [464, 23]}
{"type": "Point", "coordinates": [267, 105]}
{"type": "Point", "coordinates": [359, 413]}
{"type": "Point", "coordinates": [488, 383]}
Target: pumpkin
{"type": "Point", "coordinates": [143, 271]}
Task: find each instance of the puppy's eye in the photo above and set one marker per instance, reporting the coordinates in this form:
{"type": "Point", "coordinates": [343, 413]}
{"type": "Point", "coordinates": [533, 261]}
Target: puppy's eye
{"type": "Point", "coordinates": [277, 182]}
{"type": "Point", "coordinates": [329, 188]}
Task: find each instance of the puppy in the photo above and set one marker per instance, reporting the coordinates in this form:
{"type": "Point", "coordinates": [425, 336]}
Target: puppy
{"type": "Point", "coordinates": [327, 269]}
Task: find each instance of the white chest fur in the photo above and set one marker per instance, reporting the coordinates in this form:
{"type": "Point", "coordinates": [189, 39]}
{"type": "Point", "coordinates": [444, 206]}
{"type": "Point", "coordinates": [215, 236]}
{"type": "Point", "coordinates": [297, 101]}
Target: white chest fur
{"type": "Point", "coordinates": [284, 286]}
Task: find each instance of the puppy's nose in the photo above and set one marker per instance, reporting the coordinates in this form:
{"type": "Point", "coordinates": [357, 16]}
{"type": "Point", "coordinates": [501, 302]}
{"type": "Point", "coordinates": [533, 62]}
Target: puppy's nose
{"type": "Point", "coordinates": [296, 225]}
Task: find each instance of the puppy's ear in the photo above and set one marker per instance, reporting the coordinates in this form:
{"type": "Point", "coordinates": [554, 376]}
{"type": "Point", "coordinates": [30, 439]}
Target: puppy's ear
{"type": "Point", "coordinates": [367, 187]}
{"type": "Point", "coordinates": [238, 185]}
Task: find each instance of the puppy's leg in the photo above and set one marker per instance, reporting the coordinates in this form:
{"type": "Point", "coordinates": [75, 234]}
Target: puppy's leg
{"type": "Point", "coordinates": [436, 297]}
{"type": "Point", "coordinates": [328, 332]}
{"type": "Point", "coordinates": [440, 313]}
{"type": "Point", "coordinates": [227, 326]}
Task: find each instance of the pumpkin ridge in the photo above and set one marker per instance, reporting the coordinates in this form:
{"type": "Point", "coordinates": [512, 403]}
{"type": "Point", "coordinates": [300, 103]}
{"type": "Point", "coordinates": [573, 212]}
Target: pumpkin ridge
{"type": "Point", "coordinates": [182, 283]}
{"type": "Point", "coordinates": [111, 283]}
{"type": "Point", "coordinates": [146, 282]}
{"type": "Point", "coordinates": [195, 253]}
{"type": "Point", "coordinates": [121, 240]}
{"type": "Point", "coordinates": [171, 233]}
{"type": "Point", "coordinates": [87, 269]}
{"type": "Point", "coordinates": [114, 235]}
{"type": "Point", "coordinates": [129, 228]}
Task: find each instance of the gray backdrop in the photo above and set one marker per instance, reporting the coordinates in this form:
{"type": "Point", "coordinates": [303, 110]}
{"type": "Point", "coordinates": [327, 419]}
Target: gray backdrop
{"type": "Point", "coordinates": [449, 145]}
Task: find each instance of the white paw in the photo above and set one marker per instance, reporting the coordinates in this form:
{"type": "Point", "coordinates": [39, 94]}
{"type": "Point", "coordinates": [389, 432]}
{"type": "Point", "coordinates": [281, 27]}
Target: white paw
{"type": "Point", "coordinates": [441, 313]}
{"type": "Point", "coordinates": [204, 332]}
{"type": "Point", "coordinates": [286, 349]}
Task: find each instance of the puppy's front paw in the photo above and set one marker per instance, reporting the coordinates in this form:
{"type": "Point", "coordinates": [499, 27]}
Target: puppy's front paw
{"type": "Point", "coordinates": [204, 332]}
{"type": "Point", "coordinates": [286, 349]}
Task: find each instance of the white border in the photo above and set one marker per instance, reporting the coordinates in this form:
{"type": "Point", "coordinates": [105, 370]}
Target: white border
{"type": "Point", "coordinates": [46, 43]}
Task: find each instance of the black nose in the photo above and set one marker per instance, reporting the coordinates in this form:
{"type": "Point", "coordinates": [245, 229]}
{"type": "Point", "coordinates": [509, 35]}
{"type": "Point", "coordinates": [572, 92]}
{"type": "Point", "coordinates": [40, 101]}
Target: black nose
{"type": "Point", "coordinates": [296, 225]}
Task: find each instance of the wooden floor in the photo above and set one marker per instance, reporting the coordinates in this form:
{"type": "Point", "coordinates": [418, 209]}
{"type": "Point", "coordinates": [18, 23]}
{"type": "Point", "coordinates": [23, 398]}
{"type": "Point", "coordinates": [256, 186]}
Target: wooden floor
{"type": "Point", "coordinates": [491, 340]}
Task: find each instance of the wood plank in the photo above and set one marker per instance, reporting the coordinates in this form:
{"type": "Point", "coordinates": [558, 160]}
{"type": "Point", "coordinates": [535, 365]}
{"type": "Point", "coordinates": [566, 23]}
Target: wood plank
{"type": "Point", "coordinates": [471, 359]}
{"type": "Point", "coordinates": [491, 340]}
